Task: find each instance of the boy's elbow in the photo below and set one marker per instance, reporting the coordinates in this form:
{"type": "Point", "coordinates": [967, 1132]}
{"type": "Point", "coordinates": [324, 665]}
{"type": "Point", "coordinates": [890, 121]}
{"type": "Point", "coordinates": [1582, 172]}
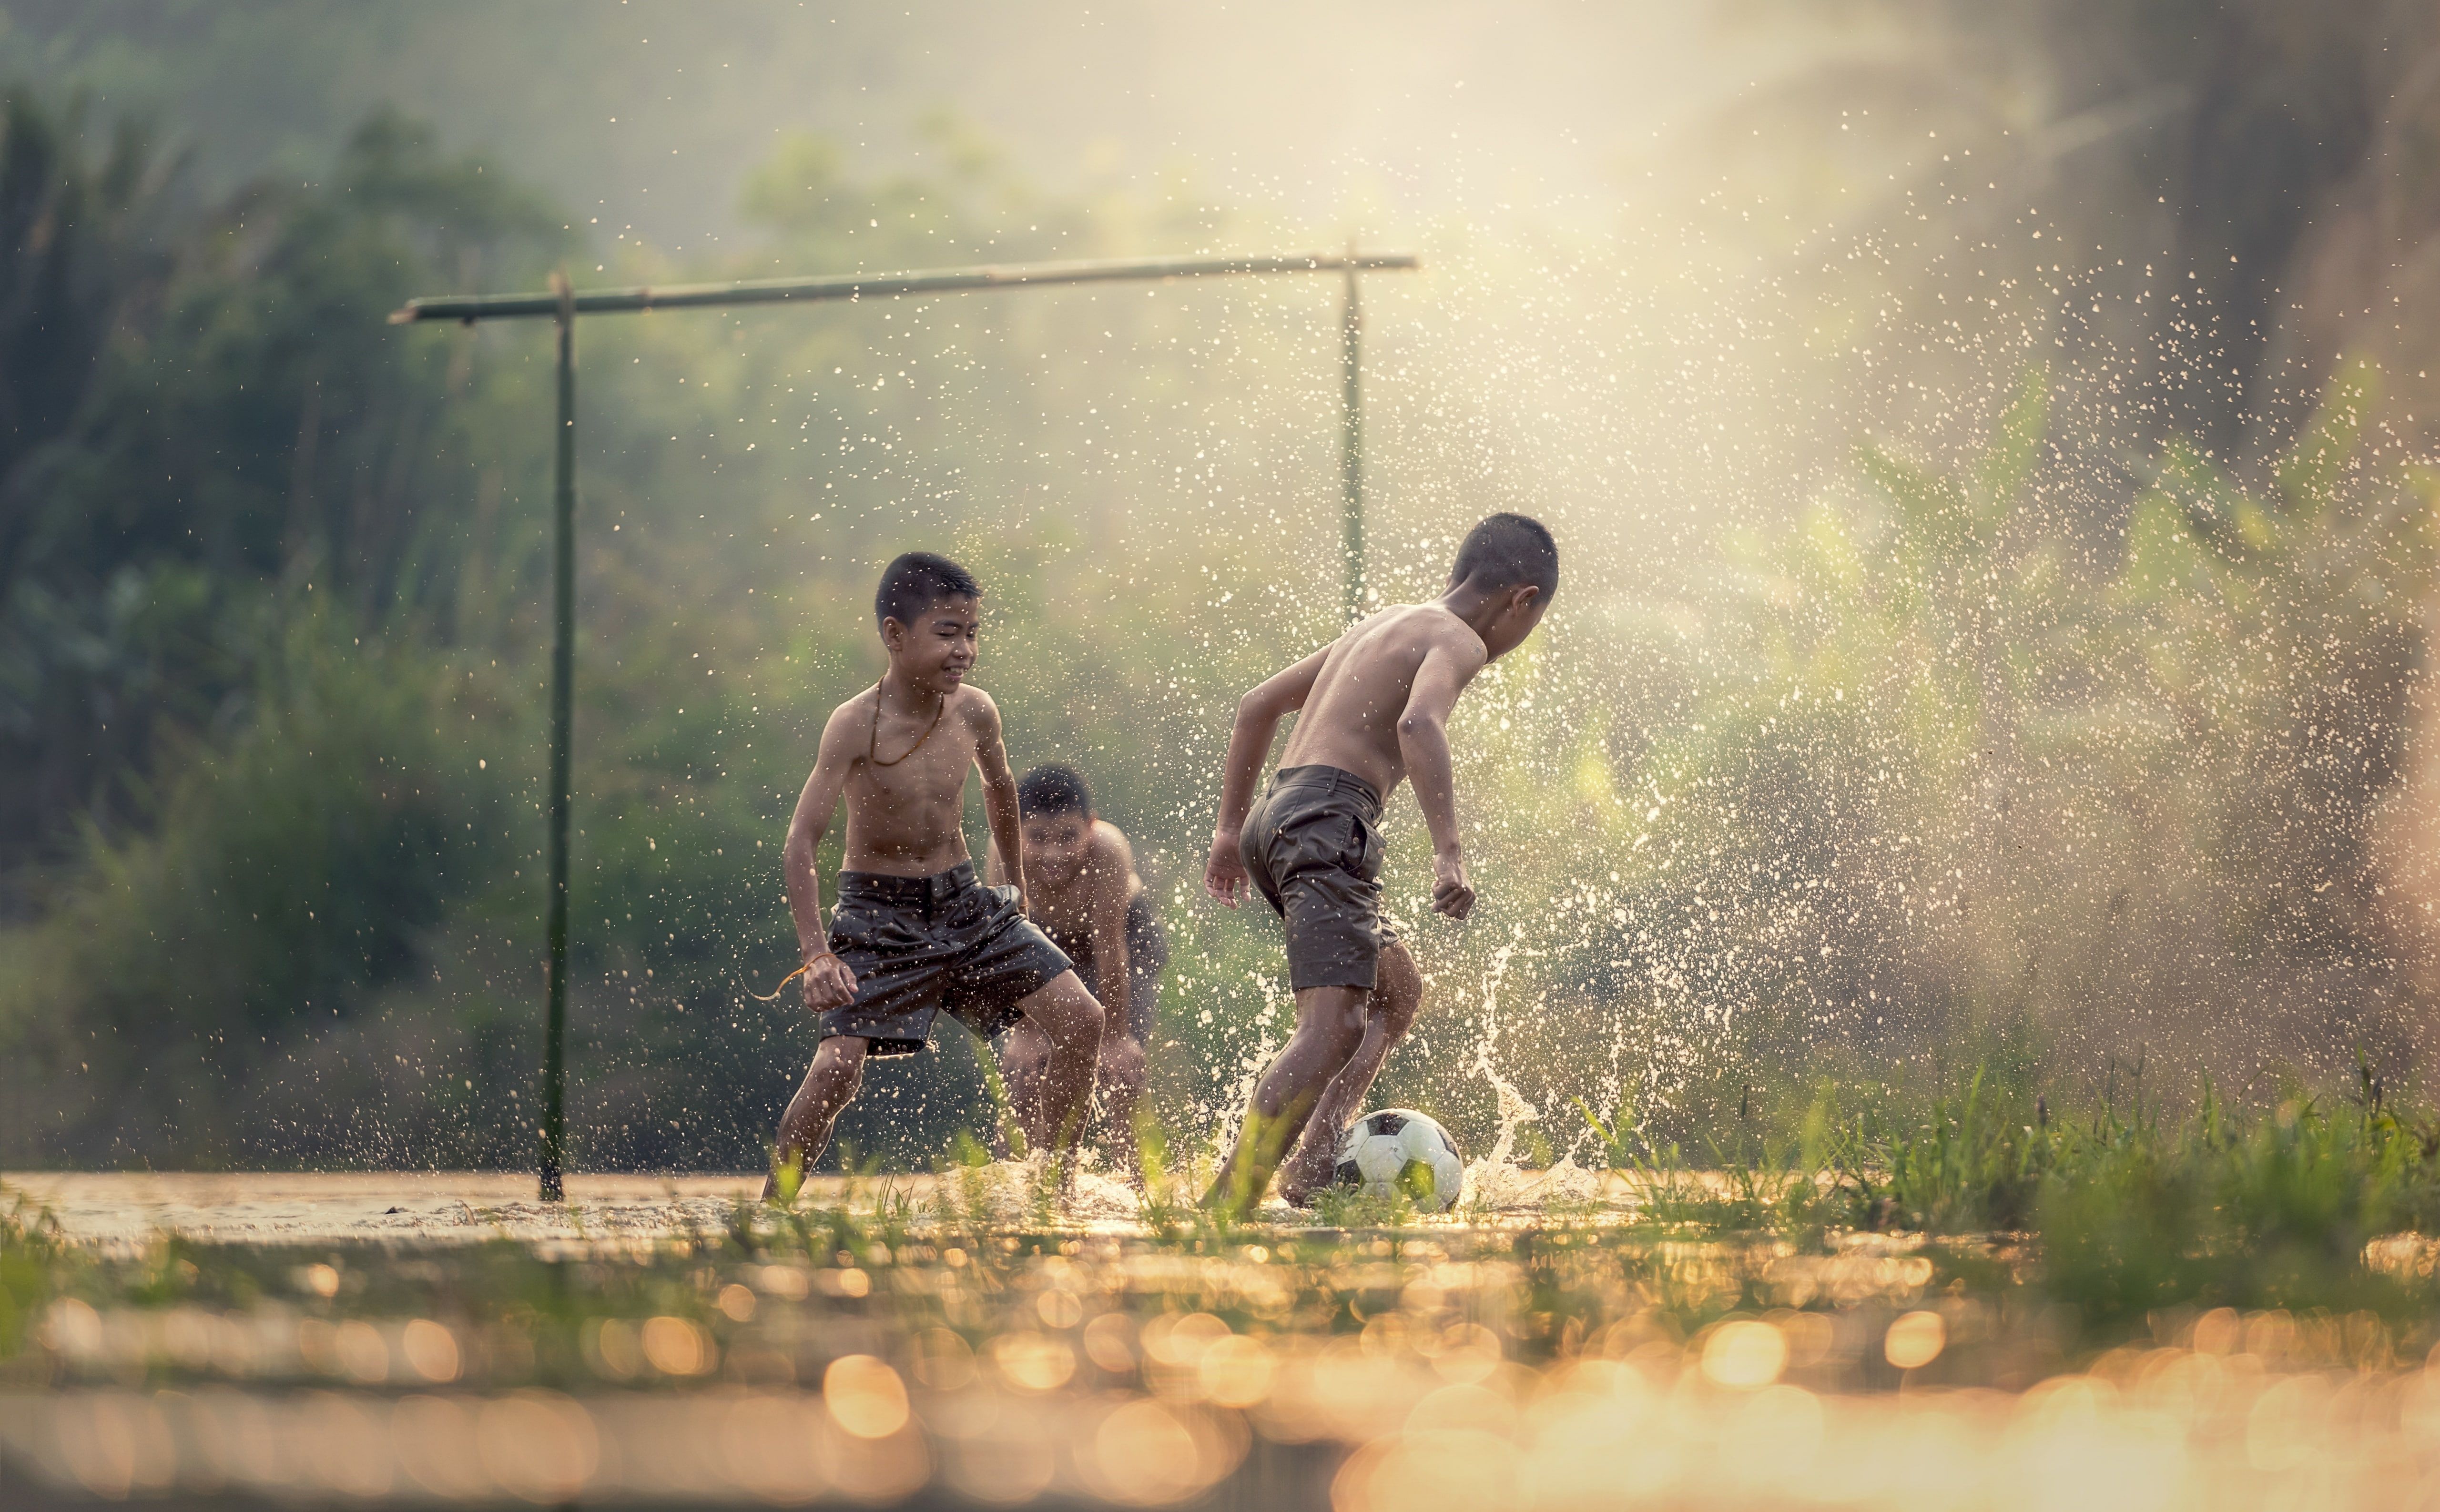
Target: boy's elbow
{"type": "Point", "coordinates": [1416, 727]}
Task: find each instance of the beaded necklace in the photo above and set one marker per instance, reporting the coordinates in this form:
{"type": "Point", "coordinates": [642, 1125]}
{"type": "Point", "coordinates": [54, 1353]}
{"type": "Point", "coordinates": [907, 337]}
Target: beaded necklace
{"type": "Point", "coordinates": [873, 746]}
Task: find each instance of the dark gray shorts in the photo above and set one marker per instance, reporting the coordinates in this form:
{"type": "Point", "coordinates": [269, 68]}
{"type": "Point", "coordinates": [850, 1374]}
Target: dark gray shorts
{"type": "Point", "coordinates": [1312, 845]}
{"type": "Point", "coordinates": [922, 946]}
{"type": "Point", "coordinates": [1147, 962]}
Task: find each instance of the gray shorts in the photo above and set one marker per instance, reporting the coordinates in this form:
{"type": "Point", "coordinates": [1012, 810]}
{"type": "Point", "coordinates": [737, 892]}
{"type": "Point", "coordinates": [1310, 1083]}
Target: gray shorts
{"type": "Point", "coordinates": [923, 946]}
{"type": "Point", "coordinates": [1311, 845]}
{"type": "Point", "coordinates": [1147, 961]}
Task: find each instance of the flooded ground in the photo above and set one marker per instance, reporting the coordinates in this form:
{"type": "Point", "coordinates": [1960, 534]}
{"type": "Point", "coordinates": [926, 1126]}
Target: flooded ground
{"type": "Point", "coordinates": [440, 1207]}
{"type": "Point", "coordinates": [465, 1207]}
{"type": "Point", "coordinates": [442, 1339]}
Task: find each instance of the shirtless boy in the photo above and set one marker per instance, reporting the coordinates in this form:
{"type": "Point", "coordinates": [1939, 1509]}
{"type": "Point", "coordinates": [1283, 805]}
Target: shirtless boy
{"type": "Point", "coordinates": [914, 934]}
{"type": "Point", "coordinates": [1375, 705]}
{"type": "Point", "coordinates": [1089, 900]}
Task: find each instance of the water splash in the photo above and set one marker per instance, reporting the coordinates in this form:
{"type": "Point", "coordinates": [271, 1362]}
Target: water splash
{"type": "Point", "coordinates": [1023, 1193]}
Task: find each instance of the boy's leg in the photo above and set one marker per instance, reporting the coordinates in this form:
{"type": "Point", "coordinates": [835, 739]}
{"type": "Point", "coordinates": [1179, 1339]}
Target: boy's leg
{"type": "Point", "coordinates": [1069, 1019]}
{"type": "Point", "coordinates": [1397, 990]}
{"type": "Point", "coordinates": [1123, 1060]}
{"type": "Point", "coordinates": [830, 1083]}
{"type": "Point", "coordinates": [1122, 1081]}
{"type": "Point", "coordinates": [1024, 1058]}
{"type": "Point", "coordinates": [1330, 1024]}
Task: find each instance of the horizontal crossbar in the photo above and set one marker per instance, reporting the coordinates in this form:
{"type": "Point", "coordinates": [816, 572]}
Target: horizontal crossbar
{"type": "Point", "coordinates": [471, 308]}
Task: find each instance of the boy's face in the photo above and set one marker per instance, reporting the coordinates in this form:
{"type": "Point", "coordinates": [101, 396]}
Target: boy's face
{"type": "Point", "coordinates": [939, 648]}
{"type": "Point", "coordinates": [1516, 619]}
{"type": "Point", "coordinates": [1056, 845]}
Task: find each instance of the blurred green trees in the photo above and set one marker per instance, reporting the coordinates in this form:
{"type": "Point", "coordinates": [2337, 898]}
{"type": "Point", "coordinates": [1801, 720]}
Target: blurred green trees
{"type": "Point", "coordinates": [210, 419]}
{"type": "Point", "coordinates": [232, 614]}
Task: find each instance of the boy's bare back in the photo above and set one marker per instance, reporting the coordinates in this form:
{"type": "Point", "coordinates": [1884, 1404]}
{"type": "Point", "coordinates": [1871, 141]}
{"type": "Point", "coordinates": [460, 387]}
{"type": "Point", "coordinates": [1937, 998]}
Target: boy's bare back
{"type": "Point", "coordinates": [1366, 681]}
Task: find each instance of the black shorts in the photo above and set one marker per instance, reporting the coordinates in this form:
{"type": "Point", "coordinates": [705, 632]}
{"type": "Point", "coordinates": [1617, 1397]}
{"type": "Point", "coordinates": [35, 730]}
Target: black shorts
{"type": "Point", "coordinates": [1147, 963]}
{"type": "Point", "coordinates": [1312, 845]}
{"type": "Point", "coordinates": [923, 946]}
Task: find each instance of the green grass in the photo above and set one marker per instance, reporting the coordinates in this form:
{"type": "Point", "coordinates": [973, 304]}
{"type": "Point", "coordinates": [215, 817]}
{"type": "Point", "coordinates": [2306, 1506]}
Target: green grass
{"type": "Point", "coordinates": [2070, 1234]}
{"type": "Point", "coordinates": [2129, 1210]}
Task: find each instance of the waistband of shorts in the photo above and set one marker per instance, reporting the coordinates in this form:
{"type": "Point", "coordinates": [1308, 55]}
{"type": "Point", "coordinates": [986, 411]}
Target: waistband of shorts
{"type": "Point", "coordinates": [884, 887]}
{"type": "Point", "coordinates": [1328, 779]}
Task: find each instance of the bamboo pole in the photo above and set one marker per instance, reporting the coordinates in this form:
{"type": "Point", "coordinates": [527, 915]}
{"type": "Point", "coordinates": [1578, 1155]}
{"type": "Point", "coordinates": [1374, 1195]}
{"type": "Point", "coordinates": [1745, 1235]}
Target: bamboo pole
{"type": "Point", "coordinates": [1351, 454]}
{"type": "Point", "coordinates": [553, 1154]}
{"type": "Point", "coordinates": [877, 285]}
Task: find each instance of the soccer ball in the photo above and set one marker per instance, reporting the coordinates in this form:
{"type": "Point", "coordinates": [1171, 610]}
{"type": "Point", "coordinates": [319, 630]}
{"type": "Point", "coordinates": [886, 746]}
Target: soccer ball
{"type": "Point", "coordinates": [1399, 1150]}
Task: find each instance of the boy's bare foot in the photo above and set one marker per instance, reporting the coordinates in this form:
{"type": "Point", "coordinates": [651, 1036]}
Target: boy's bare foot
{"type": "Point", "coordinates": [1306, 1173]}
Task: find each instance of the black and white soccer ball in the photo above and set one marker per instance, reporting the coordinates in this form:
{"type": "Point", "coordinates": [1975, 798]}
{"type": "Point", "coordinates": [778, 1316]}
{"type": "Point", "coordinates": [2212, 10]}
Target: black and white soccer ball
{"type": "Point", "coordinates": [1398, 1149]}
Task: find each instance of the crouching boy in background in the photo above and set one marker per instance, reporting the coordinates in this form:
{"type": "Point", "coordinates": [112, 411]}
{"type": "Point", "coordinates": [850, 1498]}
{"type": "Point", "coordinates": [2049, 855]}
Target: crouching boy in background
{"type": "Point", "coordinates": [1088, 897]}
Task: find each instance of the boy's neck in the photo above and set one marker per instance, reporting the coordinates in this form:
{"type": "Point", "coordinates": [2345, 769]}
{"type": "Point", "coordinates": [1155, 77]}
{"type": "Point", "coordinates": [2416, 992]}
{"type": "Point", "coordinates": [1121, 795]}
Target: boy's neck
{"type": "Point", "coordinates": [907, 686]}
{"type": "Point", "coordinates": [1473, 605]}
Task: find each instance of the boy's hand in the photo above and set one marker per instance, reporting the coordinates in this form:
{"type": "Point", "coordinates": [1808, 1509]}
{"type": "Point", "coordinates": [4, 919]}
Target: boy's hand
{"type": "Point", "coordinates": [1452, 894]}
{"type": "Point", "coordinates": [828, 983]}
{"type": "Point", "coordinates": [1224, 875]}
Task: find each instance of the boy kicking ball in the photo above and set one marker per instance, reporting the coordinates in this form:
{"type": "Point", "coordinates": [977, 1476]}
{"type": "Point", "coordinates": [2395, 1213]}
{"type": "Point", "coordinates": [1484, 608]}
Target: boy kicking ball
{"type": "Point", "coordinates": [914, 934]}
{"type": "Point", "coordinates": [1375, 705]}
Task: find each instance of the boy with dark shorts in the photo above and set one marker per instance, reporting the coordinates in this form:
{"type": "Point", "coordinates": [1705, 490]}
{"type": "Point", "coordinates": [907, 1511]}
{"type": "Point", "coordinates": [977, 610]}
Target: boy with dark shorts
{"type": "Point", "coordinates": [1089, 900]}
{"type": "Point", "coordinates": [1375, 705]}
{"type": "Point", "coordinates": [914, 934]}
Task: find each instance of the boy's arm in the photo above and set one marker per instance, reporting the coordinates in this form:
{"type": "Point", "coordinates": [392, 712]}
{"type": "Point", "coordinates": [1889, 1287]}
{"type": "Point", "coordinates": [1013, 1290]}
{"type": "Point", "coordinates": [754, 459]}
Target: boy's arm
{"type": "Point", "coordinates": [995, 869]}
{"type": "Point", "coordinates": [1423, 743]}
{"type": "Point", "coordinates": [1113, 863]}
{"type": "Point", "coordinates": [828, 982]}
{"type": "Point", "coordinates": [1250, 744]}
{"type": "Point", "coordinates": [999, 793]}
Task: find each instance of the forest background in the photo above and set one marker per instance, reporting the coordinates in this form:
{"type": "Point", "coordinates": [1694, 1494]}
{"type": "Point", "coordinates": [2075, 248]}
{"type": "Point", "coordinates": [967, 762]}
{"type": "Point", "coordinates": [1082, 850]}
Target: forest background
{"type": "Point", "coordinates": [1988, 444]}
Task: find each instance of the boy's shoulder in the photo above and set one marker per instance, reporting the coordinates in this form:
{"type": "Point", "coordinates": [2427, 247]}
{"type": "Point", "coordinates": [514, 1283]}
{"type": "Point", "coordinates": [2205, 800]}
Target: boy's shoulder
{"type": "Point", "coordinates": [972, 703]}
{"type": "Point", "coordinates": [1438, 624]}
{"type": "Point", "coordinates": [1407, 629]}
{"type": "Point", "coordinates": [858, 705]}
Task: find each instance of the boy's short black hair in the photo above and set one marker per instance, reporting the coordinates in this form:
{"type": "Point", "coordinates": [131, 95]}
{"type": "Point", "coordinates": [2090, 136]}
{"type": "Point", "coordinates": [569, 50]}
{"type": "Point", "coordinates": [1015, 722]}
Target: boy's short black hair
{"type": "Point", "coordinates": [917, 580]}
{"type": "Point", "coordinates": [1054, 789]}
{"type": "Point", "coordinates": [1508, 550]}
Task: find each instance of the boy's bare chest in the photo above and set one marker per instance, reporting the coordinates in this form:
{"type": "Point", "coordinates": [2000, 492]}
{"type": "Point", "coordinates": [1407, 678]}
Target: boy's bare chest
{"type": "Point", "coordinates": [934, 775]}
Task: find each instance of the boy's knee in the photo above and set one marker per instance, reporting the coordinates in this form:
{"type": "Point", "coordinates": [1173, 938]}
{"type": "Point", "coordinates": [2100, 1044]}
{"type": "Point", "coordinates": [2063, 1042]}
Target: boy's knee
{"type": "Point", "coordinates": [1069, 1014]}
{"type": "Point", "coordinates": [1397, 990]}
{"type": "Point", "coordinates": [841, 1058]}
{"type": "Point", "coordinates": [1397, 1012]}
{"type": "Point", "coordinates": [1026, 1059]}
{"type": "Point", "coordinates": [1335, 1039]}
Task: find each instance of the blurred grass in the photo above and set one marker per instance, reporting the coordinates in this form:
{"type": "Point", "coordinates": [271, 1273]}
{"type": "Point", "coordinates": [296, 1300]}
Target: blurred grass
{"type": "Point", "coordinates": [2070, 1232]}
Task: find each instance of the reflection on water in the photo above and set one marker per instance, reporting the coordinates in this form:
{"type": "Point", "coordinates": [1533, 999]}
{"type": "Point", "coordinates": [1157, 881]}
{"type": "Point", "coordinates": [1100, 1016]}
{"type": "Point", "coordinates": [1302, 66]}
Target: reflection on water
{"type": "Point", "coordinates": [919, 1341]}
{"type": "Point", "coordinates": [1432, 1417]}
